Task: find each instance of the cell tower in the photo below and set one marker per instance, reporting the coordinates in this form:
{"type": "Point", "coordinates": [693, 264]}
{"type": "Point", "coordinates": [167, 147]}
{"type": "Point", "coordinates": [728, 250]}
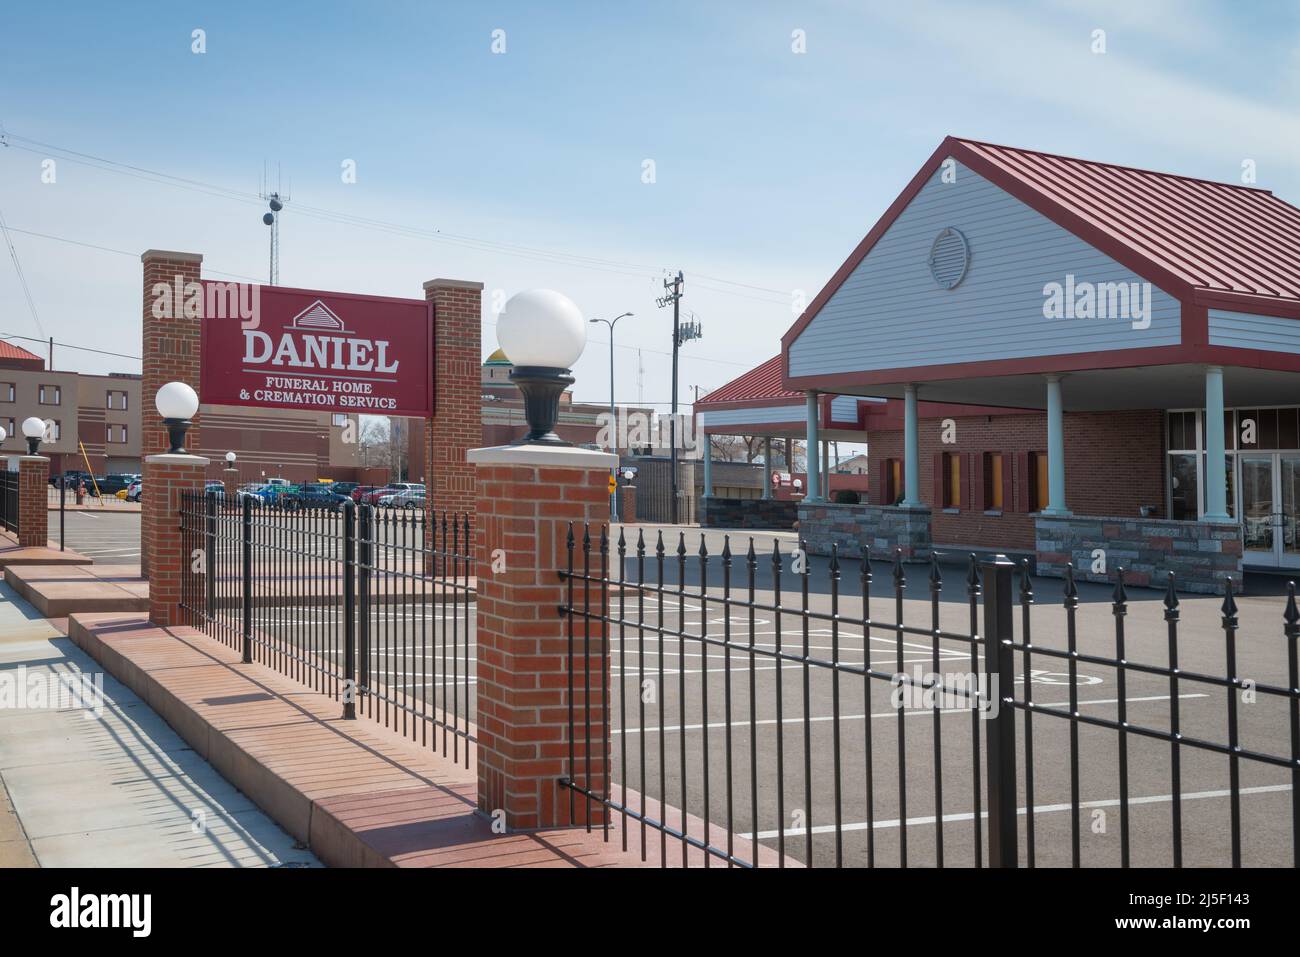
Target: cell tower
{"type": "Point", "coordinates": [275, 200]}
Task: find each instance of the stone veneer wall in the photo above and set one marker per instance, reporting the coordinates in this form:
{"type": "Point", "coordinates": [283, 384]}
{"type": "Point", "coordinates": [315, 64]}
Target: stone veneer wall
{"type": "Point", "coordinates": [882, 528]}
{"type": "Point", "coordinates": [748, 513]}
{"type": "Point", "coordinates": [1201, 555]}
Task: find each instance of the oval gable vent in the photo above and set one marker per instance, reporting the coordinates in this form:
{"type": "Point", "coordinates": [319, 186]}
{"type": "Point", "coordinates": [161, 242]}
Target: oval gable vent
{"type": "Point", "coordinates": [949, 258]}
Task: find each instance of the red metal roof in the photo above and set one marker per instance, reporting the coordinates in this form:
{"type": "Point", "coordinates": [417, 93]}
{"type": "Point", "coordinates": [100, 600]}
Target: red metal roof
{"type": "Point", "coordinates": [12, 352]}
{"type": "Point", "coordinates": [1203, 242]}
{"type": "Point", "coordinates": [1210, 235]}
{"type": "Point", "coordinates": [760, 383]}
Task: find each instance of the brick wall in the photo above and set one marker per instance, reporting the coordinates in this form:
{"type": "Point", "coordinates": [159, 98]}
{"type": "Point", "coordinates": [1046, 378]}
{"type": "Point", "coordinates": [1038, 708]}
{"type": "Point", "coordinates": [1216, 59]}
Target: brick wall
{"type": "Point", "coordinates": [523, 671]}
{"type": "Point", "coordinates": [171, 354]}
{"type": "Point", "coordinates": [33, 505]}
{"type": "Point", "coordinates": [1114, 464]}
{"type": "Point", "coordinates": [456, 426]}
{"type": "Point", "coordinates": [748, 512]}
{"type": "Point", "coordinates": [165, 478]}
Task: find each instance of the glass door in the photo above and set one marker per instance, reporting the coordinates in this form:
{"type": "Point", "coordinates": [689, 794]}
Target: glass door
{"type": "Point", "coordinates": [1288, 522]}
{"type": "Point", "coordinates": [1258, 526]}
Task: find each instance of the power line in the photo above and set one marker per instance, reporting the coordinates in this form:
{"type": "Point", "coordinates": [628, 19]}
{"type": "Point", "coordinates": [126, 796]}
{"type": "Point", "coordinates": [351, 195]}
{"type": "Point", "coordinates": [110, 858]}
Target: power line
{"type": "Point", "coordinates": [512, 249]}
{"type": "Point", "coordinates": [22, 278]}
{"type": "Point", "coordinates": [68, 345]}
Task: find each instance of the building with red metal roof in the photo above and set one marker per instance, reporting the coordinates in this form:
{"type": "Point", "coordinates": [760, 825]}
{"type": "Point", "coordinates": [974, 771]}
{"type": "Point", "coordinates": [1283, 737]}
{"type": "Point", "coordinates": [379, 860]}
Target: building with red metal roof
{"type": "Point", "coordinates": [1081, 359]}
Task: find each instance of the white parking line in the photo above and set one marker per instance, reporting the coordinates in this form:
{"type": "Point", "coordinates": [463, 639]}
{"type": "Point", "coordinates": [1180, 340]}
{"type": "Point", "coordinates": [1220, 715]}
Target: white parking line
{"type": "Point", "coordinates": [1038, 809]}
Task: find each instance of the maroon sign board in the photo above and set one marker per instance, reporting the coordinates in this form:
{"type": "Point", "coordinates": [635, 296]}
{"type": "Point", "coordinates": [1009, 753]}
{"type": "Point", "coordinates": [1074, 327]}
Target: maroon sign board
{"type": "Point", "coordinates": [279, 348]}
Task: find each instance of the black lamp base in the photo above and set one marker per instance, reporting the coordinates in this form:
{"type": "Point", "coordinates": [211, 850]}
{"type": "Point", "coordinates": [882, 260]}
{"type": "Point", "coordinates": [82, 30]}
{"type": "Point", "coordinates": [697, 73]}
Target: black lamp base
{"type": "Point", "coordinates": [34, 446]}
{"type": "Point", "coordinates": [541, 387]}
{"type": "Point", "coordinates": [176, 429]}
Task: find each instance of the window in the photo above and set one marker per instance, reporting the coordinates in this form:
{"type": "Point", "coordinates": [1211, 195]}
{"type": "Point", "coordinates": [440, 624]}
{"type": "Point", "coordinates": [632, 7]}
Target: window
{"type": "Point", "coordinates": [52, 430]}
{"type": "Point", "coordinates": [950, 476]}
{"type": "Point", "coordinates": [9, 427]}
{"type": "Point", "coordinates": [895, 480]}
{"type": "Point", "coordinates": [50, 395]}
{"type": "Point", "coordinates": [995, 498]}
{"type": "Point", "coordinates": [340, 419]}
{"type": "Point", "coordinates": [1038, 471]}
{"type": "Point", "coordinates": [6, 391]}
{"type": "Point", "coordinates": [116, 400]}
{"type": "Point", "coordinates": [115, 433]}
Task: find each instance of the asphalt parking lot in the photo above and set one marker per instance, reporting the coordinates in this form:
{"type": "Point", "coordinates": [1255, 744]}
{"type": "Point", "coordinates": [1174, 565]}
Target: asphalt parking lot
{"type": "Point", "coordinates": [677, 699]}
{"type": "Point", "coordinates": [109, 537]}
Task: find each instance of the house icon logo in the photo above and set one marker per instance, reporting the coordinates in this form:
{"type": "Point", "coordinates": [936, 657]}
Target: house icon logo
{"type": "Point", "coordinates": [318, 317]}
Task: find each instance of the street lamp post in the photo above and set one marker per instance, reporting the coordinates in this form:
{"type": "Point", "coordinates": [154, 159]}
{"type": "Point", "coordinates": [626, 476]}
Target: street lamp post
{"type": "Point", "coordinates": [613, 421]}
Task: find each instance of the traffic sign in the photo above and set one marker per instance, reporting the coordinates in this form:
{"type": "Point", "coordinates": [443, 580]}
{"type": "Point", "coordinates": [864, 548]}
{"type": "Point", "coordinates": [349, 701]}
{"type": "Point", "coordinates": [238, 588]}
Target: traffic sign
{"type": "Point", "coordinates": [613, 485]}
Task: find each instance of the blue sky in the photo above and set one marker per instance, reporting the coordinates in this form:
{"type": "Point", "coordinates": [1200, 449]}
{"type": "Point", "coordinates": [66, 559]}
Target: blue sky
{"type": "Point", "coordinates": [770, 165]}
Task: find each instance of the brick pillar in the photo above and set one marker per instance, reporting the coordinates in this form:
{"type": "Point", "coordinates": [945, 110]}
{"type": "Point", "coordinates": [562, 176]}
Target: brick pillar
{"type": "Point", "coordinates": [230, 479]}
{"type": "Point", "coordinates": [627, 504]}
{"type": "Point", "coordinates": [33, 503]}
{"type": "Point", "coordinates": [527, 498]}
{"type": "Point", "coordinates": [457, 423]}
{"type": "Point", "coordinates": [166, 476]}
{"type": "Point", "coordinates": [171, 350]}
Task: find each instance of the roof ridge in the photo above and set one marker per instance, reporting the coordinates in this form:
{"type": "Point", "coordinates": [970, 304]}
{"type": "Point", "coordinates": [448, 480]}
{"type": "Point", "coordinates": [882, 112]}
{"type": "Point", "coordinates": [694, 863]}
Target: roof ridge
{"type": "Point", "coordinates": [1133, 169]}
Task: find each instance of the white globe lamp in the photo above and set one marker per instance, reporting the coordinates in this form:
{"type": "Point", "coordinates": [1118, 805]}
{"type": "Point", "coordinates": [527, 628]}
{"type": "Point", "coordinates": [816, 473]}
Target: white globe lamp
{"type": "Point", "coordinates": [33, 432]}
{"type": "Point", "coordinates": [542, 334]}
{"type": "Point", "coordinates": [177, 403]}
{"type": "Point", "coordinates": [230, 460]}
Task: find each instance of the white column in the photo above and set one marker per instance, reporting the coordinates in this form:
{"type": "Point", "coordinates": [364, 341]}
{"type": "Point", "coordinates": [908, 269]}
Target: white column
{"type": "Point", "coordinates": [911, 451]}
{"type": "Point", "coordinates": [1216, 473]}
{"type": "Point", "coordinates": [813, 492]}
{"type": "Point", "coordinates": [1055, 449]}
{"type": "Point", "coordinates": [767, 467]}
{"type": "Point", "coordinates": [708, 467]}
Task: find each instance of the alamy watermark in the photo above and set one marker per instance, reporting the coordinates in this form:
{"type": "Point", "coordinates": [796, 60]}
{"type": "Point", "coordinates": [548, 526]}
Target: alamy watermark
{"type": "Point", "coordinates": [636, 429]}
{"type": "Point", "coordinates": [1125, 301]}
{"type": "Point", "coordinates": [36, 690]}
{"type": "Point", "coordinates": [953, 691]}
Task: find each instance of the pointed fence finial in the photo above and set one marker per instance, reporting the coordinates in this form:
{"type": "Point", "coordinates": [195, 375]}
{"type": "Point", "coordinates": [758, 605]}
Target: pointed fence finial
{"type": "Point", "coordinates": [1071, 590]}
{"type": "Point", "coordinates": [1171, 599]}
{"type": "Point", "coordinates": [899, 578]}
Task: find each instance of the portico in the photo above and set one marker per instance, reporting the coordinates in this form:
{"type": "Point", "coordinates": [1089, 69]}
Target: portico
{"type": "Point", "coordinates": [1046, 325]}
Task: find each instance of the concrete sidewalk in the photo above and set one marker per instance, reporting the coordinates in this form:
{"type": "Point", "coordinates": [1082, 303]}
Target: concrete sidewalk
{"type": "Point", "coordinates": [118, 790]}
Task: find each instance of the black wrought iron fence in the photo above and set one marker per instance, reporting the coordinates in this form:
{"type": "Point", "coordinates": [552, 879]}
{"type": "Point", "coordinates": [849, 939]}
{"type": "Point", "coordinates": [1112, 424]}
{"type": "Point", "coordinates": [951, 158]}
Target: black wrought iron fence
{"type": "Point", "coordinates": [765, 712]}
{"type": "Point", "coordinates": [9, 500]}
{"type": "Point", "coordinates": [371, 606]}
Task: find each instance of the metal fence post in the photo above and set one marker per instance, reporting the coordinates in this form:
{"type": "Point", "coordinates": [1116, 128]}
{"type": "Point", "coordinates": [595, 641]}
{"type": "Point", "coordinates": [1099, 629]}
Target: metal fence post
{"type": "Point", "coordinates": [999, 686]}
{"type": "Point", "coordinates": [366, 528]}
{"type": "Point", "coordinates": [210, 559]}
{"type": "Point", "coordinates": [62, 497]}
{"type": "Point", "coordinates": [246, 562]}
{"type": "Point", "coordinates": [349, 610]}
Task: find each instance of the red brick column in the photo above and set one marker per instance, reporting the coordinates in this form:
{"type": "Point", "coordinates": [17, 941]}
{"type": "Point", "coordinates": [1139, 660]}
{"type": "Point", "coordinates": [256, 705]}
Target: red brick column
{"type": "Point", "coordinates": [457, 423]}
{"type": "Point", "coordinates": [171, 350]}
{"type": "Point", "coordinates": [230, 480]}
{"type": "Point", "coordinates": [165, 478]}
{"type": "Point", "coordinates": [627, 504]}
{"type": "Point", "coordinates": [527, 498]}
{"type": "Point", "coordinates": [33, 501]}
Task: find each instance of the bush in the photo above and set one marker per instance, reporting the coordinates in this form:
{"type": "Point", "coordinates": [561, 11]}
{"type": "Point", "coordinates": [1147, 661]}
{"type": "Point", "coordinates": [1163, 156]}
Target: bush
{"type": "Point", "coordinates": [846, 496]}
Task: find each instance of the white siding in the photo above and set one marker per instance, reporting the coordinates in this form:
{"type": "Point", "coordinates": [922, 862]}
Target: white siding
{"type": "Point", "coordinates": [781, 413]}
{"type": "Point", "coordinates": [891, 313]}
{"type": "Point", "coordinates": [1246, 331]}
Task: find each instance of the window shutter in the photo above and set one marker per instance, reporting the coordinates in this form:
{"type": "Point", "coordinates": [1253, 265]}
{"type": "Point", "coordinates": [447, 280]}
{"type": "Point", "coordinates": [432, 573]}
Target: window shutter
{"type": "Point", "coordinates": [1024, 480]}
{"type": "Point", "coordinates": [939, 497]}
{"type": "Point", "coordinates": [880, 494]}
{"type": "Point", "coordinates": [1007, 501]}
{"type": "Point", "coordinates": [977, 481]}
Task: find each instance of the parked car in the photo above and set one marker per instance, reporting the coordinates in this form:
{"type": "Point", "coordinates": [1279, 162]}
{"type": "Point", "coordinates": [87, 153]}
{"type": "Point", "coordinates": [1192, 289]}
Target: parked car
{"type": "Point", "coordinates": [72, 478]}
{"type": "Point", "coordinates": [113, 483]}
{"type": "Point", "coordinates": [411, 498]}
{"type": "Point", "coordinates": [373, 496]}
{"type": "Point", "coordinates": [343, 488]}
{"type": "Point", "coordinates": [361, 491]}
{"type": "Point", "coordinates": [314, 496]}
{"type": "Point", "coordinates": [133, 491]}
